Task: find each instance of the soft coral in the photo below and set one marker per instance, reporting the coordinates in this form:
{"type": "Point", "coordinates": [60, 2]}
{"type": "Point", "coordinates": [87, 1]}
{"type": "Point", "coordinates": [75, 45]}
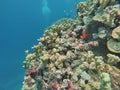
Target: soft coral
{"type": "Point", "coordinates": [32, 72]}
{"type": "Point", "coordinates": [70, 85]}
{"type": "Point", "coordinates": [54, 85]}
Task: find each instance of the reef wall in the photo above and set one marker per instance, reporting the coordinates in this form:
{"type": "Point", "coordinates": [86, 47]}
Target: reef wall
{"type": "Point", "coordinates": [80, 54]}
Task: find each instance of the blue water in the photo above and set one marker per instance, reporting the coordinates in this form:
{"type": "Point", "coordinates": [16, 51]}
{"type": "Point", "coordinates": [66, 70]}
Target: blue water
{"type": "Point", "coordinates": [22, 22]}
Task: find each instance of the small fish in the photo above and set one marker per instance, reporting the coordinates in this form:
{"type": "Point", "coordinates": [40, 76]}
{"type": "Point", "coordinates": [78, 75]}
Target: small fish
{"type": "Point", "coordinates": [84, 35]}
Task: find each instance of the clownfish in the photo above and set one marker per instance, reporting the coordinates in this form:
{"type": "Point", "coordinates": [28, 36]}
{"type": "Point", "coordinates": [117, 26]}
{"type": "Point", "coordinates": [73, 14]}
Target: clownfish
{"type": "Point", "coordinates": [83, 35]}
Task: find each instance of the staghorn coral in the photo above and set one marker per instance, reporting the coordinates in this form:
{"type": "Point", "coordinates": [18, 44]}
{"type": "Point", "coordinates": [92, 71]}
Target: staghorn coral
{"type": "Point", "coordinates": [63, 60]}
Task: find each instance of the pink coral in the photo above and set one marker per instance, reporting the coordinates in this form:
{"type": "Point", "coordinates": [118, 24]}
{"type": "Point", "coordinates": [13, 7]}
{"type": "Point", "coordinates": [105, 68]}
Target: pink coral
{"type": "Point", "coordinates": [34, 70]}
{"type": "Point", "coordinates": [54, 85]}
{"type": "Point", "coordinates": [86, 46]}
{"type": "Point", "coordinates": [70, 85]}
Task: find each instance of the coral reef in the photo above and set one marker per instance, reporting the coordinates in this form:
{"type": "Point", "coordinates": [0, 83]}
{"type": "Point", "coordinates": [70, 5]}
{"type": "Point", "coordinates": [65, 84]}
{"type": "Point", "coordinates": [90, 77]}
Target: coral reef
{"type": "Point", "coordinates": [80, 54]}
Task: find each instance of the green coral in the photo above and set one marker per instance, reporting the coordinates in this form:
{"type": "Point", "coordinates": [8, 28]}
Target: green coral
{"type": "Point", "coordinates": [112, 59]}
{"type": "Point", "coordinates": [113, 46]}
{"type": "Point", "coordinates": [105, 81]}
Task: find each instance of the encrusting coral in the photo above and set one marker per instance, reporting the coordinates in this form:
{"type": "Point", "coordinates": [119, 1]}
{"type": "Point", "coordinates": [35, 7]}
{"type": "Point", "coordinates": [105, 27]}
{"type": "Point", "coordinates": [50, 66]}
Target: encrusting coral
{"type": "Point", "coordinates": [116, 33]}
{"type": "Point", "coordinates": [80, 54]}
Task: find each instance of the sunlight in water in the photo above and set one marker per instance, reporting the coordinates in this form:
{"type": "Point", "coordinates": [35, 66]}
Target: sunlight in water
{"type": "Point", "coordinates": [46, 11]}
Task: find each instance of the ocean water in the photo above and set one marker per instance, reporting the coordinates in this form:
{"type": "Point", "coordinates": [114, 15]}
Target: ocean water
{"type": "Point", "coordinates": [22, 22]}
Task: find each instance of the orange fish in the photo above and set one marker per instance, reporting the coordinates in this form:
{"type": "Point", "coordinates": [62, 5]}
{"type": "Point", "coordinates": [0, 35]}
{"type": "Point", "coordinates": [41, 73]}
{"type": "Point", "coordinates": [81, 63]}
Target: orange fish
{"type": "Point", "coordinates": [84, 35]}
